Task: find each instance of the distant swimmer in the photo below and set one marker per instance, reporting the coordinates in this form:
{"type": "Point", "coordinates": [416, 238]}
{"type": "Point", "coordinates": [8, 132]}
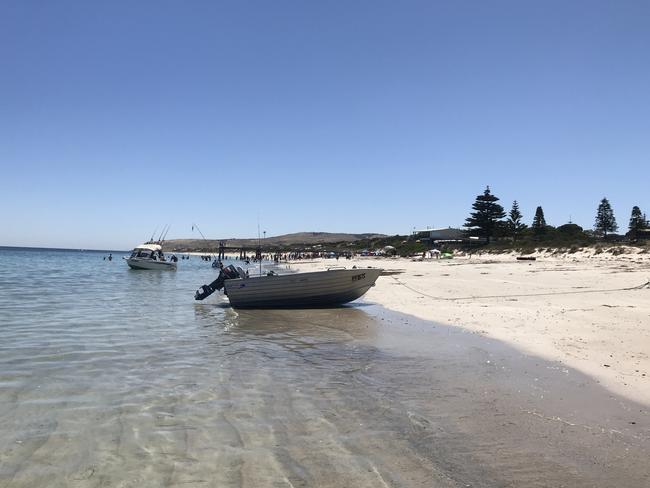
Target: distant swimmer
{"type": "Point", "coordinates": [110, 257]}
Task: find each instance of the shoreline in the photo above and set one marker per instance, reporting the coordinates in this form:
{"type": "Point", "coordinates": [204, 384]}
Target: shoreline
{"type": "Point", "coordinates": [148, 387]}
{"type": "Point", "coordinates": [489, 398]}
{"type": "Point", "coordinates": [547, 307]}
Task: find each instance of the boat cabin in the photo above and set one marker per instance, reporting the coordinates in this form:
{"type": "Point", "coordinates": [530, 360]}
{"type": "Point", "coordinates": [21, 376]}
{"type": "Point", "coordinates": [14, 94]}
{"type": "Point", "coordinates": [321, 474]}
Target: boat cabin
{"type": "Point", "coordinates": [148, 251]}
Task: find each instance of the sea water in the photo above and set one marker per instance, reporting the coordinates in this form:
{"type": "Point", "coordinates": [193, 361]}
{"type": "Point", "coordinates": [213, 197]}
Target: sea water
{"type": "Point", "coordinates": [111, 377]}
{"type": "Point", "coordinates": [118, 377]}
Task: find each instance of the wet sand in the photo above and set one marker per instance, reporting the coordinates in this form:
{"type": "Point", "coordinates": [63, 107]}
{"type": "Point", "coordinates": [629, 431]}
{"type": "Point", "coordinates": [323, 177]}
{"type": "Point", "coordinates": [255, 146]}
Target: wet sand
{"type": "Point", "coordinates": [554, 307]}
{"type": "Point", "coordinates": [356, 396]}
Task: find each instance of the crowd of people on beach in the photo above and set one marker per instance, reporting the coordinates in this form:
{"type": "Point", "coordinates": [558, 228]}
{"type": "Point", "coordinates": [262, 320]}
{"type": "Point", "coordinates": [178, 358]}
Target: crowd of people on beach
{"type": "Point", "coordinates": [255, 258]}
{"type": "Point", "coordinates": [278, 257]}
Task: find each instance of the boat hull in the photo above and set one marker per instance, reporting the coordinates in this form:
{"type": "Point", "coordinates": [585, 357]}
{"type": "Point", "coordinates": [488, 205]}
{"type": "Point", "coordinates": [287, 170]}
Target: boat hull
{"type": "Point", "coordinates": [150, 264]}
{"type": "Point", "coordinates": [301, 290]}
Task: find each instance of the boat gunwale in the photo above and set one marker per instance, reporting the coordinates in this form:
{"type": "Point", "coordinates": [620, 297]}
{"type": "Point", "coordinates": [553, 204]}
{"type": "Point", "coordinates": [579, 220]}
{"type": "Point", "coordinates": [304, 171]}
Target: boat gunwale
{"type": "Point", "coordinates": [307, 274]}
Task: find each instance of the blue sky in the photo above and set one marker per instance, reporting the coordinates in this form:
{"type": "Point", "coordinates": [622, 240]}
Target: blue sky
{"type": "Point", "coordinates": [351, 116]}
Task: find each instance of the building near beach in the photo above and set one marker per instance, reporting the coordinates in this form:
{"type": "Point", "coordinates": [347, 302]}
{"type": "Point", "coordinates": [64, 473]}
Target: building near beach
{"type": "Point", "coordinates": [440, 234]}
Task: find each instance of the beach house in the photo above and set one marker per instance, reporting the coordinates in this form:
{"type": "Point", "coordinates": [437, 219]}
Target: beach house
{"type": "Point", "coordinates": [440, 234]}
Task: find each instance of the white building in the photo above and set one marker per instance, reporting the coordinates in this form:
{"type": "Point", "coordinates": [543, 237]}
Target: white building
{"type": "Point", "coordinates": [440, 234]}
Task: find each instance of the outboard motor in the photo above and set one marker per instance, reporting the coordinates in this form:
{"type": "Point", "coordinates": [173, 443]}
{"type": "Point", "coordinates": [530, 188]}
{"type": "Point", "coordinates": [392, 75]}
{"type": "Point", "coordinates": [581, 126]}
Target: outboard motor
{"type": "Point", "coordinates": [227, 273]}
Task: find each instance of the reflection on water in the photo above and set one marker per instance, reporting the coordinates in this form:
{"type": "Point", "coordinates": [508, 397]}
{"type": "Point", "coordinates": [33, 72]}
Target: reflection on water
{"type": "Point", "coordinates": [344, 323]}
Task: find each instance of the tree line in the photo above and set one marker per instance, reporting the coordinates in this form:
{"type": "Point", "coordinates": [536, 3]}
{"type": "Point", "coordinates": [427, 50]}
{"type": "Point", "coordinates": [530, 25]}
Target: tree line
{"type": "Point", "coordinates": [489, 220]}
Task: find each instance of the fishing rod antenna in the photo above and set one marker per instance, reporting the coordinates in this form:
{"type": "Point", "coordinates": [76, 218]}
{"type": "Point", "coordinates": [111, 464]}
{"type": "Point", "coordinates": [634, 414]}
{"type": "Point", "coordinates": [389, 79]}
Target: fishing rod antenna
{"type": "Point", "coordinates": [161, 233]}
{"type": "Point", "coordinates": [197, 228]}
{"type": "Point", "coordinates": [164, 236]}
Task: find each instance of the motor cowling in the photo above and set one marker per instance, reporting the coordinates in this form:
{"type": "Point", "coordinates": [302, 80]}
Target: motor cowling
{"type": "Point", "coordinates": [227, 273]}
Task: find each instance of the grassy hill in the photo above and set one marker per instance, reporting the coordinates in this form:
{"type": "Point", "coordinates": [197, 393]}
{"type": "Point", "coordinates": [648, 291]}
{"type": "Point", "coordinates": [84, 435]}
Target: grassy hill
{"type": "Point", "coordinates": [298, 240]}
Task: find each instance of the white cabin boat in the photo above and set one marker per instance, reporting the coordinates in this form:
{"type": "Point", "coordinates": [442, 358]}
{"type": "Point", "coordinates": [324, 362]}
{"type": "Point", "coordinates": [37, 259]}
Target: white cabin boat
{"type": "Point", "coordinates": [315, 289]}
{"type": "Point", "coordinates": [149, 256]}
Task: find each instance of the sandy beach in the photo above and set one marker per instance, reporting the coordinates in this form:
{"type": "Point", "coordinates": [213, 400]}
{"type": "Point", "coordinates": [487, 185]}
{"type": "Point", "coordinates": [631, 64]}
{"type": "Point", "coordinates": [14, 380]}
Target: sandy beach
{"type": "Point", "coordinates": [552, 307]}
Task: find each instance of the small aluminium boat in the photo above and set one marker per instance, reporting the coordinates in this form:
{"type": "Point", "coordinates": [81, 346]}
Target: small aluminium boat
{"type": "Point", "coordinates": [296, 290]}
{"type": "Point", "coordinates": [149, 256]}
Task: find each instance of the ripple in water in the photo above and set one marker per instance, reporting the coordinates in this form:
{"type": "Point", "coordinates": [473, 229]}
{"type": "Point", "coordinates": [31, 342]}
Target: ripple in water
{"type": "Point", "coordinates": [113, 377]}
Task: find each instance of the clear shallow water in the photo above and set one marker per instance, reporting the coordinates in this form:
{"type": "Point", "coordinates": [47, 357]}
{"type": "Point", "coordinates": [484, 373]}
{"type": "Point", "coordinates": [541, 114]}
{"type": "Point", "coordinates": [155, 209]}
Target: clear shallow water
{"type": "Point", "coordinates": [116, 377]}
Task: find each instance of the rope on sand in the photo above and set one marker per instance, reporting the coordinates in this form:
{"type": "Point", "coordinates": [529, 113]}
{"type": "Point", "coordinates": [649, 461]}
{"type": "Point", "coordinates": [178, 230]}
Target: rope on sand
{"type": "Point", "coordinates": [480, 297]}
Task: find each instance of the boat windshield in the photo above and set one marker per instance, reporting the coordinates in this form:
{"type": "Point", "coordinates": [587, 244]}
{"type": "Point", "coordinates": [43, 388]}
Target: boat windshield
{"type": "Point", "coordinates": [141, 253]}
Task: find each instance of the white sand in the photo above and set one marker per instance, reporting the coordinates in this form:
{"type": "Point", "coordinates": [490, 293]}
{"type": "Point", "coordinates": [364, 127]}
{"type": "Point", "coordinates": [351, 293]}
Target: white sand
{"type": "Point", "coordinates": [605, 335]}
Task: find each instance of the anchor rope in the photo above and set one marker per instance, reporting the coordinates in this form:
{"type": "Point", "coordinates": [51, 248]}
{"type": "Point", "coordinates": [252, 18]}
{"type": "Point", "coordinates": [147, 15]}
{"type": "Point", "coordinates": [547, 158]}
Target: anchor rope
{"type": "Point", "coordinates": [517, 295]}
